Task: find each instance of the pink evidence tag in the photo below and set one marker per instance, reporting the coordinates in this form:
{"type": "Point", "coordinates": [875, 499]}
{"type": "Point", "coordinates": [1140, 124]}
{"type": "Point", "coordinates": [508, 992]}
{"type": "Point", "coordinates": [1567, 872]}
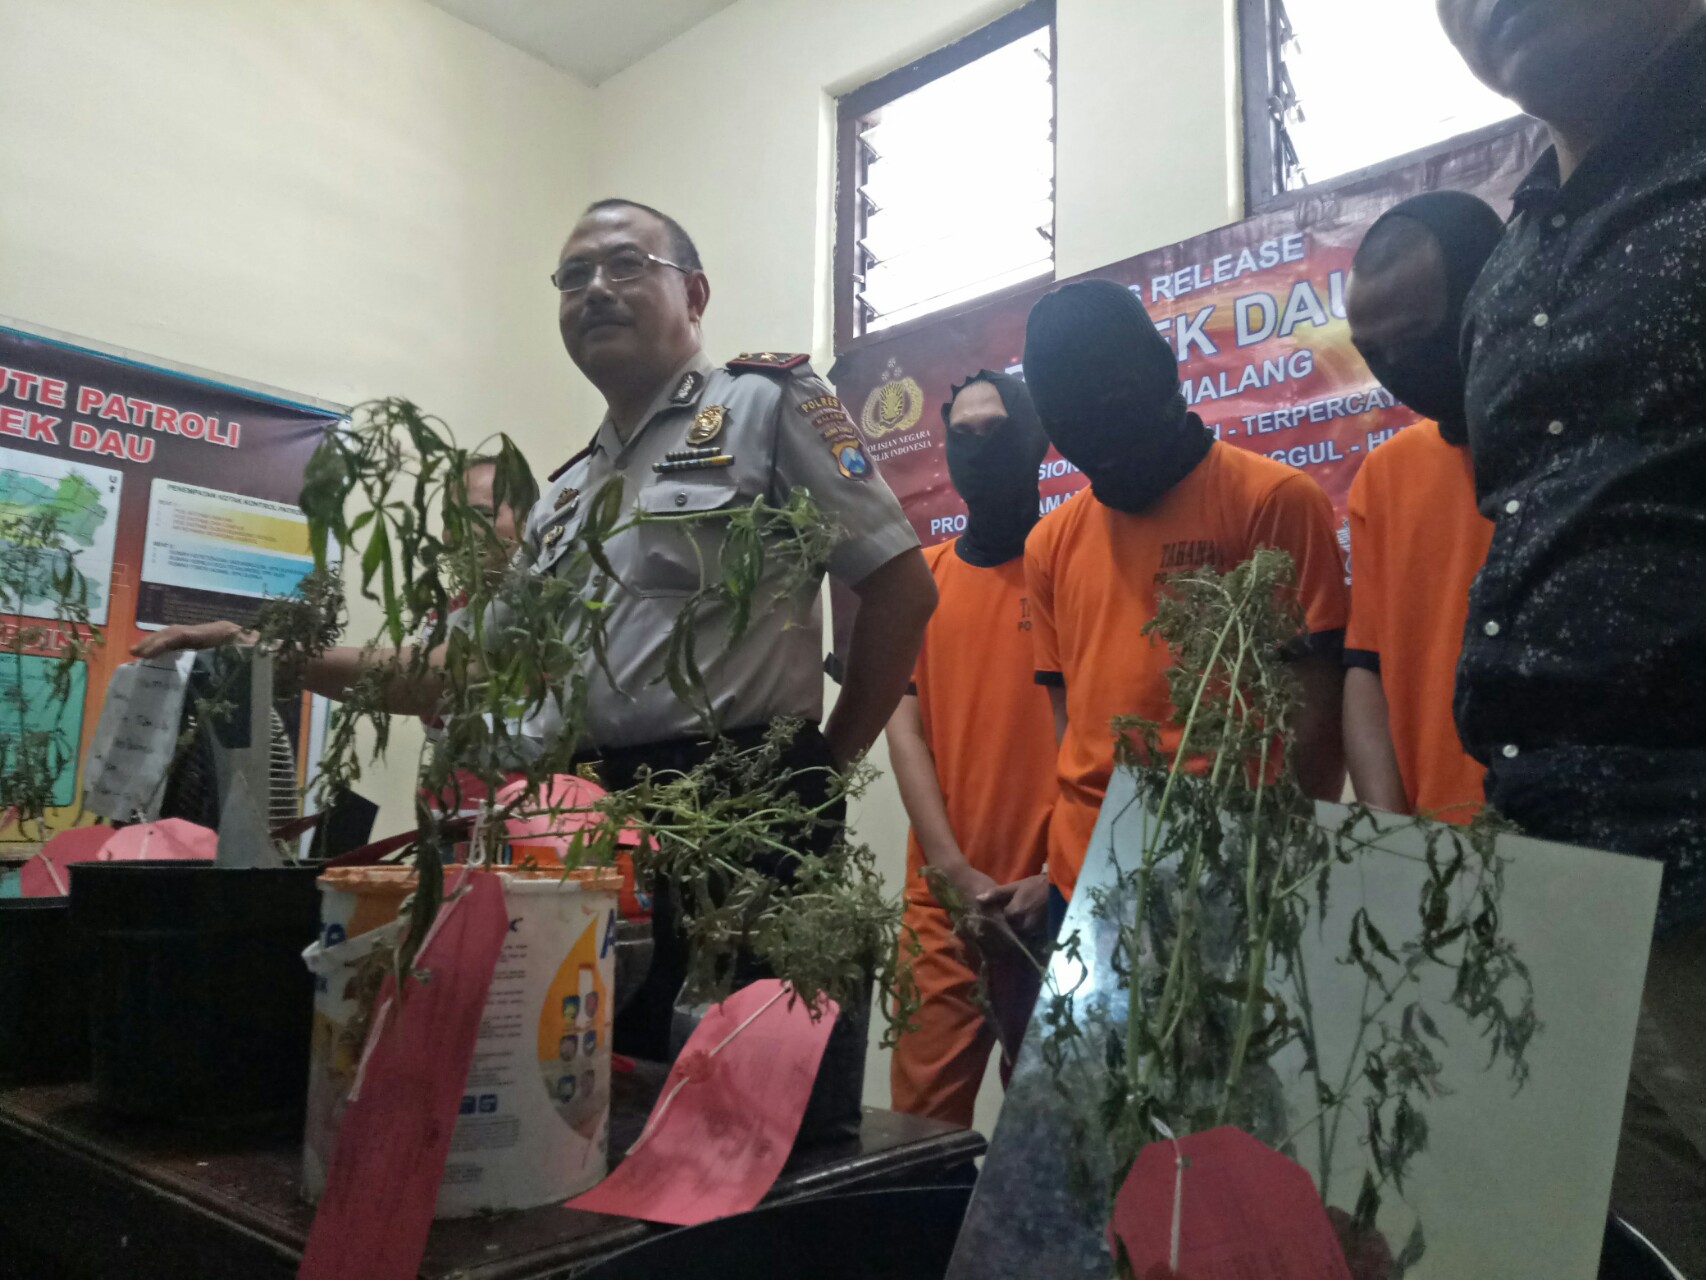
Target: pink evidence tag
{"type": "Point", "coordinates": [552, 816]}
{"type": "Point", "coordinates": [1220, 1205]}
{"type": "Point", "coordinates": [728, 1116]}
{"type": "Point", "coordinates": [167, 838]}
{"type": "Point", "coordinates": [391, 1150]}
{"type": "Point", "coordinates": [48, 873]}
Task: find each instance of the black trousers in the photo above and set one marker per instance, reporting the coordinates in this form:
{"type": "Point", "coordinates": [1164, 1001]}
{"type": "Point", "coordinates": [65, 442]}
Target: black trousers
{"type": "Point", "coordinates": [643, 1028]}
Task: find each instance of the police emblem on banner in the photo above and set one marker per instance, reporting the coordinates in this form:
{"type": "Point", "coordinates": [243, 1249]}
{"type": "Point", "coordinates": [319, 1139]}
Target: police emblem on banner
{"type": "Point", "coordinates": [895, 404]}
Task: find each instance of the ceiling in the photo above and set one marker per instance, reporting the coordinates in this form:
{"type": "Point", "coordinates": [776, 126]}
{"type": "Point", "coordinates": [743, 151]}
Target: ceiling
{"type": "Point", "coordinates": [590, 39]}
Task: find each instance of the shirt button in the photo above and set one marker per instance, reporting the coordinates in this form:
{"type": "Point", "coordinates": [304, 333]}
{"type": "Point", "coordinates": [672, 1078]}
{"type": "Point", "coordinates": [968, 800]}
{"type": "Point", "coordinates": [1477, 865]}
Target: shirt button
{"type": "Point", "coordinates": [1512, 507]}
{"type": "Point", "coordinates": [1558, 220]}
{"type": "Point", "coordinates": [1510, 751]}
{"type": "Point", "coordinates": [1555, 428]}
{"type": "Point", "coordinates": [1491, 628]}
{"type": "Point", "coordinates": [681, 499]}
{"type": "Point", "coordinates": [1542, 320]}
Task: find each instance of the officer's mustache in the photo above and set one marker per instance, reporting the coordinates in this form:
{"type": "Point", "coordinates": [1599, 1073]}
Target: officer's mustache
{"type": "Point", "coordinates": [592, 317]}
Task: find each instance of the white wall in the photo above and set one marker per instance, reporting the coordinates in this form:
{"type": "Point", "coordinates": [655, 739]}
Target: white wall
{"type": "Point", "coordinates": [1149, 144]}
{"type": "Point", "coordinates": [730, 129]}
{"type": "Point", "coordinates": [341, 199]}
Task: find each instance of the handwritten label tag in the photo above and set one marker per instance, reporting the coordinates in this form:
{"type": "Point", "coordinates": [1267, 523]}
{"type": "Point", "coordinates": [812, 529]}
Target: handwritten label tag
{"type": "Point", "coordinates": [546, 825]}
{"type": "Point", "coordinates": [48, 874]}
{"type": "Point", "coordinates": [395, 1137]}
{"type": "Point", "coordinates": [167, 838]}
{"type": "Point", "coordinates": [728, 1116]}
{"type": "Point", "coordinates": [1222, 1206]}
{"type": "Point", "coordinates": [125, 774]}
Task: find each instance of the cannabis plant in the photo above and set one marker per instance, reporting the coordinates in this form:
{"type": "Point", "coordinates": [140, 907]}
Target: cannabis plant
{"type": "Point", "coordinates": [39, 574]}
{"type": "Point", "coordinates": [509, 651]}
{"type": "Point", "coordinates": [1203, 925]}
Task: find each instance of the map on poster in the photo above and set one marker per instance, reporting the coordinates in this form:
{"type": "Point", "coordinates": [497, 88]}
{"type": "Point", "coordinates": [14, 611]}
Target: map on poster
{"type": "Point", "coordinates": [207, 541]}
{"type": "Point", "coordinates": [26, 701]}
{"type": "Point", "coordinates": [83, 502]}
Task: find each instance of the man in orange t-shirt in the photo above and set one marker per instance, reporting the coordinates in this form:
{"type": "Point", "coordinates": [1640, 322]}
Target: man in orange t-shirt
{"type": "Point", "coordinates": [1164, 496]}
{"type": "Point", "coordinates": [1417, 540]}
{"type": "Point", "coordinates": [971, 750]}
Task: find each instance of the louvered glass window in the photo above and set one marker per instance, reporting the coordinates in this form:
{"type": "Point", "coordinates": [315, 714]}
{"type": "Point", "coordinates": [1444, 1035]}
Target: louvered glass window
{"type": "Point", "coordinates": [1336, 99]}
{"type": "Point", "coordinates": [952, 187]}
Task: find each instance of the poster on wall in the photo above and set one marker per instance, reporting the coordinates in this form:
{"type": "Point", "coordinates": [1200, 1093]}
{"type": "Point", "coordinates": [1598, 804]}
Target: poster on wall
{"type": "Point", "coordinates": [1255, 314]}
{"type": "Point", "coordinates": [175, 497]}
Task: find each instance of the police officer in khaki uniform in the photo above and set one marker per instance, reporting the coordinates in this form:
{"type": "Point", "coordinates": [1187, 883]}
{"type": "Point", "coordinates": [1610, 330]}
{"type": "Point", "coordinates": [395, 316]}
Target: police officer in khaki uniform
{"type": "Point", "coordinates": [687, 436]}
{"type": "Point", "coordinates": [715, 440]}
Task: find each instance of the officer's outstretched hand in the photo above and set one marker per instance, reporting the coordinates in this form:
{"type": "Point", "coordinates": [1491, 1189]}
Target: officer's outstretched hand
{"type": "Point", "coordinates": [201, 635]}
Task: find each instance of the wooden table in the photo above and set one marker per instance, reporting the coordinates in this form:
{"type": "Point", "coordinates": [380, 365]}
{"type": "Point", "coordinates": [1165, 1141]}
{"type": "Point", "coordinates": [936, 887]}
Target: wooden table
{"type": "Point", "coordinates": [105, 1197]}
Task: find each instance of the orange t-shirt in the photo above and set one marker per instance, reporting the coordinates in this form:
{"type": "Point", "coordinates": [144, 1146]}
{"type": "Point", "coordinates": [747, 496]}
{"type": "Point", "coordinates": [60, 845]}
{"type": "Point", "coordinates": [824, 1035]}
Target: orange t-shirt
{"type": "Point", "coordinates": [1417, 542]}
{"type": "Point", "coordinates": [986, 722]}
{"type": "Point", "coordinates": [1094, 573]}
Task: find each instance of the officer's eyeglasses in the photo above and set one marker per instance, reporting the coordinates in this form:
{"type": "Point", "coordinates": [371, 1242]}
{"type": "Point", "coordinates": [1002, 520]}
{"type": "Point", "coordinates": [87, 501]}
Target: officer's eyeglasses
{"type": "Point", "coordinates": [620, 267]}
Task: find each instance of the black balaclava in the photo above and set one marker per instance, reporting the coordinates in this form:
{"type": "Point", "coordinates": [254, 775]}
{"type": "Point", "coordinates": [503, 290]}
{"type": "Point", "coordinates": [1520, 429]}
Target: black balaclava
{"type": "Point", "coordinates": [1429, 377]}
{"type": "Point", "coordinates": [996, 473]}
{"type": "Point", "coordinates": [1106, 386]}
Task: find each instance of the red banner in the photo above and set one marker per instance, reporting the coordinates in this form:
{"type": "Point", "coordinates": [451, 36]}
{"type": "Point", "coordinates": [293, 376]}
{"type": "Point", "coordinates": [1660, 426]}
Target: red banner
{"type": "Point", "coordinates": [1255, 312]}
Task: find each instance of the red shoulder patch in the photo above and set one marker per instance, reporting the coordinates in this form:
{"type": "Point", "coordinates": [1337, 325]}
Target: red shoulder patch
{"type": "Point", "coordinates": [765, 362]}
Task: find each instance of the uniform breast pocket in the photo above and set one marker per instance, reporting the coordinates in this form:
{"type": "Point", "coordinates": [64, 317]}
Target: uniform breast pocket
{"type": "Point", "coordinates": [553, 541]}
{"type": "Point", "coordinates": [679, 542]}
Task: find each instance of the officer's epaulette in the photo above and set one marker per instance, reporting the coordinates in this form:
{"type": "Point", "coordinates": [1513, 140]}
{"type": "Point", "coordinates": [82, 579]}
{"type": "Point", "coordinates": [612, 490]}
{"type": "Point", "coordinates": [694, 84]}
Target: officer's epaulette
{"type": "Point", "coordinates": [561, 471]}
{"type": "Point", "coordinates": [765, 362]}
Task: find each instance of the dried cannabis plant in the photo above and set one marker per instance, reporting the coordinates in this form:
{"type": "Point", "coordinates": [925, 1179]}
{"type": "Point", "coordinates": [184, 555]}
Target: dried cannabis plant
{"type": "Point", "coordinates": [1204, 928]}
{"type": "Point", "coordinates": [509, 650]}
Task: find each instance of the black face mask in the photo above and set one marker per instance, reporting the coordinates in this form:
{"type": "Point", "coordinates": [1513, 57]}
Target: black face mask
{"type": "Point", "coordinates": [1131, 452]}
{"type": "Point", "coordinates": [1428, 376]}
{"type": "Point", "coordinates": [996, 474]}
{"type": "Point", "coordinates": [1107, 388]}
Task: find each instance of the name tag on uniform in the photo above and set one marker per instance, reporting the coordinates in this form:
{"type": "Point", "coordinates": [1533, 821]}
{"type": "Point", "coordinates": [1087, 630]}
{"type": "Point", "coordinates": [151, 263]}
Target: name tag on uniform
{"type": "Point", "coordinates": [693, 458]}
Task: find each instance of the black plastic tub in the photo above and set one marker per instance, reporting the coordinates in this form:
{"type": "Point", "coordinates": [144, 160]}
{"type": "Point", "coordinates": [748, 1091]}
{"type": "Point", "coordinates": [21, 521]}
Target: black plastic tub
{"type": "Point", "coordinates": [200, 1004]}
{"type": "Point", "coordinates": [44, 1002]}
{"type": "Point", "coordinates": [835, 1110]}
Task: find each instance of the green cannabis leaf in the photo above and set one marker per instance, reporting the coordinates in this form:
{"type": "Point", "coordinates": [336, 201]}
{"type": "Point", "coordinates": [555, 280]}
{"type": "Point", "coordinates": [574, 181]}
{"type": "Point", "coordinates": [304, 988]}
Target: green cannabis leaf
{"type": "Point", "coordinates": [509, 654]}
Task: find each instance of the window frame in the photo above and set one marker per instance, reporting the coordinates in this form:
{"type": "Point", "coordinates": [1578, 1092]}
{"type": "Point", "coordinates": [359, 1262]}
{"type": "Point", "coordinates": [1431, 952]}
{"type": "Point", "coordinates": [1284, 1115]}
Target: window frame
{"type": "Point", "coordinates": [1259, 84]}
{"type": "Point", "coordinates": [853, 107]}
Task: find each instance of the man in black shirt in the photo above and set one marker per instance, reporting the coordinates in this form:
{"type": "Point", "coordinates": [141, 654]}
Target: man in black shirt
{"type": "Point", "coordinates": [1582, 683]}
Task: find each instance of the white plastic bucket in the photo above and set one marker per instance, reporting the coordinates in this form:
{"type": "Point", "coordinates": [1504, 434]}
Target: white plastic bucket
{"type": "Point", "coordinates": [535, 1112]}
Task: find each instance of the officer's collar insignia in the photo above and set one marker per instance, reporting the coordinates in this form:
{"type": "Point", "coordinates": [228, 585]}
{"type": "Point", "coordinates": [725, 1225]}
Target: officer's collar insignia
{"type": "Point", "coordinates": [688, 389]}
{"type": "Point", "coordinates": [707, 424]}
{"type": "Point", "coordinates": [568, 500]}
